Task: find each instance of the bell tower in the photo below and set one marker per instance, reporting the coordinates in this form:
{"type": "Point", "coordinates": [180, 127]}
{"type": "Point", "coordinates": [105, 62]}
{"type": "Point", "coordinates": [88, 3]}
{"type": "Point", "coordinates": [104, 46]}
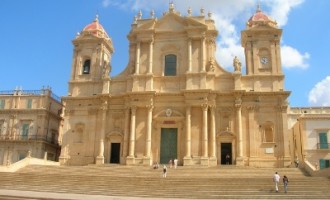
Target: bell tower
{"type": "Point", "coordinates": [261, 43]}
{"type": "Point", "coordinates": [91, 61]}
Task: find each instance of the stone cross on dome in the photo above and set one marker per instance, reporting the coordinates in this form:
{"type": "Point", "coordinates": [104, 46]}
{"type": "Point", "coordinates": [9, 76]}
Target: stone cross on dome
{"type": "Point", "coordinates": [171, 8]}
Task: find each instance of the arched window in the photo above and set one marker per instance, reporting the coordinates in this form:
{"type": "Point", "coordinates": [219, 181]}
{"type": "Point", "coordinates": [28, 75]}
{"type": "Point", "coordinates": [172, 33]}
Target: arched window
{"type": "Point", "coordinates": [170, 65]}
{"type": "Point", "coordinates": [87, 66]}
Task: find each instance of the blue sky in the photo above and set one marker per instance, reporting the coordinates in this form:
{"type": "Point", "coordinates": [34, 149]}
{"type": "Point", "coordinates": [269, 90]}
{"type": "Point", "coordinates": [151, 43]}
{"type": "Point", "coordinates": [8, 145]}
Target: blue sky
{"type": "Point", "coordinates": [36, 35]}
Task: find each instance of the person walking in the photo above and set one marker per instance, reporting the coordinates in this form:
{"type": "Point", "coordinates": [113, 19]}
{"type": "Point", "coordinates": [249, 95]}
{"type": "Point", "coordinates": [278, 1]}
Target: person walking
{"type": "Point", "coordinates": [296, 162]}
{"type": "Point", "coordinates": [227, 159]}
{"type": "Point", "coordinates": [285, 182]}
{"type": "Point", "coordinates": [170, 163]}
{"type": "Point", "coordinates": [175, 163]}
{"type": "Point", "coordinates": [164, 171]}
{"type": "Point", "coordinates": [276, 180]}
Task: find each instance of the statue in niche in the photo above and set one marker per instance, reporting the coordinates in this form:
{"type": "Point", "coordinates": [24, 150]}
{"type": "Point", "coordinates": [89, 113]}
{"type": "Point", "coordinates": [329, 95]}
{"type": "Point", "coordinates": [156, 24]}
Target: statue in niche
{"type": "Point", "coordinates": [237, 64]}
{"type": "Point", "coordinates": [106, 69]}
{"type": "Point", "coordinates": [211, 65]}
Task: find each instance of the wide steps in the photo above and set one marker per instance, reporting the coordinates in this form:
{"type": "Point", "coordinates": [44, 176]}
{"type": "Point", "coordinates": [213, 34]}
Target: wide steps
{"type": "Point", "coordinates": [183, 182]}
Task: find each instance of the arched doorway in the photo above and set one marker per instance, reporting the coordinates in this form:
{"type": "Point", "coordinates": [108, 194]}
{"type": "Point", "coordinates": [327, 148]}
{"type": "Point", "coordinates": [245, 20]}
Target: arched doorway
{"type": "Point", "coordinates": [226, 147]}
{"type": "Point", "coordinates": [113, 149]}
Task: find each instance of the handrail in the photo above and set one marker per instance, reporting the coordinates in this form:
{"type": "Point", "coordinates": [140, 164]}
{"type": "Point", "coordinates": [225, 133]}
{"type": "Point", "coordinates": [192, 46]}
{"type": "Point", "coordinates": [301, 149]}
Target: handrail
{"type": "Point", "coordinates": [46, 91]}
{"type": "Point", "coordinates": [323, 145]}
{"type": "Point", "coordinates": [19, 137]}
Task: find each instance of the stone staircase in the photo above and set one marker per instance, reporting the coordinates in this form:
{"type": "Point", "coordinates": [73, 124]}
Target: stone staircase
{"type": "Point", "coordinates": [221, 182]}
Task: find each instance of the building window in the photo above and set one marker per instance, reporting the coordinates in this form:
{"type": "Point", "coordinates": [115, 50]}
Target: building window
{"type": "Point", "coordinates": [29, 103]}
{"type": "Point", "coordinates": [25, 130]}
{"type": "Point", "coordinates": [87, 66]}
{"type": "Point", "coordinates": [323, 141]}
{"type": "Point", "coordinates": [2, 104]}
{"type": "Point", "coordinates": [170, 65]}
{"type": "Point", "coordinates": [324, 163]}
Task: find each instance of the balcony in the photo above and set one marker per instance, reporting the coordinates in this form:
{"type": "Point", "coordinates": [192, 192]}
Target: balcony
{"type": "Point", "coordinates": [323, 145]}
{"type": "Point", "coordinates": [19, 137]}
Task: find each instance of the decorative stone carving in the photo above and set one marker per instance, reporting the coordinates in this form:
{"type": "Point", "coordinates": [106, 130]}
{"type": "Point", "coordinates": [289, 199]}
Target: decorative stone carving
{"type": "Point", "coordinates": [237, 64]}
{"type": "Point", "coordinates": [210, 65]}
{"type": "Point", "coordinates": [168, 112]}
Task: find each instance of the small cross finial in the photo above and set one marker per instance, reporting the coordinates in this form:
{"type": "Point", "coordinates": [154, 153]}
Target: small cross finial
{"type": "Point", "coordinates": [171, 9]}
{"type": "Point", "coordinates": [96, 18]}
{"type": "Point", "coordinates": [259, 6]}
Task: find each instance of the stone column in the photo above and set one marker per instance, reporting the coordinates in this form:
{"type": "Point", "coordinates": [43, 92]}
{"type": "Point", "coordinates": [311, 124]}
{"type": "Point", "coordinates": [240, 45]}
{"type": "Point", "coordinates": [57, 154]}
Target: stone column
{"type": "Point", "coordinates": [249, 59]}
{"type": "Point", "coordinates": [213, 159]}
{"type": "Point", "coordinates": [238, 105]}
{"type": "Point", "coordinates": [131, 156]}
{"type": "Point", "coordinates": [137, 61]}
{"type": "Point", "coordinates": [149, 77]}
{"type": "Point", "coordinates": [189, 55]}
{"type": "Point", "coordinates": [204, 159]}
{"type": "Point", "coordinates": [150, 57]}
{"type": "Point", "coordinates": [283, 139]}
{"type": "Point", "coordinates": [100, 157]}
{"type": "Point", "coordinates": [203, 54]}
{"type": "Point", "coordinates": [278, 57]}
{"type": "Point", "coordinates": [252, 134]}
{"type": "Point", "coordinates": [147, 159]}
{"type": "Point", "coordinates": [126, 132]}
{"type": "Point", "coordinates": [187, 159]}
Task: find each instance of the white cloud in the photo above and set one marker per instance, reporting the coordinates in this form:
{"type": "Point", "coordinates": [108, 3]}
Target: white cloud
{"type": "Point", "coordinates": [229, 44]}
{"type": "Point", "coordinates": [105, 3]}
{"type": "Point", "coordinates": [228, 15]}
{"type": "Point", "coordinates": [280, 9]}
{"type": "Point", "coordinates": [292, 58]}
{"type": "Point", "coordinates": [320, 94]}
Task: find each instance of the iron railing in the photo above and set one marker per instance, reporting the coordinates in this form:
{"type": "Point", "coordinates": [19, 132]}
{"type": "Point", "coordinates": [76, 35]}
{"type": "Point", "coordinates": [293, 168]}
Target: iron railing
{"type": "Point", "coordinates": [19, 137]}
{"type": "Point", "coordinates": [46, 91]}
{"type": "Point", "coordinates": [323, 145]}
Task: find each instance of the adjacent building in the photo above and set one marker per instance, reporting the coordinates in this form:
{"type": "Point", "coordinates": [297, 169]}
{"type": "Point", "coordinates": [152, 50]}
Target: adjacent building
{"type": "Point", "coordinates": [310, 133]}
{"type": "Point", "coordinates": [174, 100]}
{"type": "Point", "coordinates": [29, 125]}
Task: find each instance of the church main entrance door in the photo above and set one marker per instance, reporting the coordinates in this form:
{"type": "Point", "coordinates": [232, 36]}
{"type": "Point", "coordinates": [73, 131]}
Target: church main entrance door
{"type": "Point", "coordinates": [168, 144]}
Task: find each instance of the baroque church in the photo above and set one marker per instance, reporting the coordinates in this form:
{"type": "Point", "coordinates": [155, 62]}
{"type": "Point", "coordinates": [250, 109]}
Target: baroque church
{"type": "Point", "coordinates": [174, 100]}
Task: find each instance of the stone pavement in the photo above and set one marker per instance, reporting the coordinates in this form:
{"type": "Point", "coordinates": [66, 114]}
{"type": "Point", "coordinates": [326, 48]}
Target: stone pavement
{"type": "Point", "coordinates": [30, 195]}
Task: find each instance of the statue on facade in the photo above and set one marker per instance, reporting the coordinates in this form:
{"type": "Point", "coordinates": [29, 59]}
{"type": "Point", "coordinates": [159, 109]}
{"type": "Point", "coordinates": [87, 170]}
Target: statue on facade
{"type": "Point", "coordinates": [106, 69]}
{"type": "Point", "coordinates": [211, 65]}
{"type": "Point", "coordinates": [237, 64]}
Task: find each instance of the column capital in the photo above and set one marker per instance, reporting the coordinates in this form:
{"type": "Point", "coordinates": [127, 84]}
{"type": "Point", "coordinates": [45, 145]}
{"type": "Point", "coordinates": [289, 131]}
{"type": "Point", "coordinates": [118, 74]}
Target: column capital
{"type": "Point", "coordinates": [281, 108]}
{"type": "Point", "coordinates": [133, 109]}
{"type": "Point", "coordinates": [150, 107]}
{"type": "Point", "coordinates": [204, 106]}
{"type": "Point", "coordinates": [104, 105]}
{"type": "Point", "coordinates": [238, 102]}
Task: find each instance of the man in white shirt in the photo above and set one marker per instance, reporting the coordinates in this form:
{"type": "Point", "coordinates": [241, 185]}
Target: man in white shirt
{"type": "Point", "coordinates": [276, 179]}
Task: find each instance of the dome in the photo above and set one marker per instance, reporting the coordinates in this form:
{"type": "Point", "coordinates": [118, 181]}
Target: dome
{"type": "Point", "coordinates": [96, 29]}
{"type": "Point", "coordinates": [261, 19]}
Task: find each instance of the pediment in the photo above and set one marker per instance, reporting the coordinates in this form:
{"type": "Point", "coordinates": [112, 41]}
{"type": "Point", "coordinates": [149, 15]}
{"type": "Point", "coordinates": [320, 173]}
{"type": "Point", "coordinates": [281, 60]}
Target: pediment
{"type": "Point", "coordinates": [168, 113]}
{"type": "Point", "coordinates": [171, 22]}
{"type": "Point", "coordinates": [176, 23]}
{"type": "Point", "coordinates": [226, 134]}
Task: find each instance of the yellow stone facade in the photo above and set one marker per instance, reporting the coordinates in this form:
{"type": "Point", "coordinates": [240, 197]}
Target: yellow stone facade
{"type": "Point", "coordinates": [29, 125]}
{"type": "Point", "coordinates": [174, 100]}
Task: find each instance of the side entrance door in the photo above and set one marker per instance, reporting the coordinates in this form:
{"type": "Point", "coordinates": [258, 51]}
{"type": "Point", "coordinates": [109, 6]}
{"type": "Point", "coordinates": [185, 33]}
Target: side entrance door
{"type": "Point", "coordinates": [115, 153]}
{"type": "Point", "coordinates": [168, 144]}
{"type": "Point", "coordinates": [226, 150]}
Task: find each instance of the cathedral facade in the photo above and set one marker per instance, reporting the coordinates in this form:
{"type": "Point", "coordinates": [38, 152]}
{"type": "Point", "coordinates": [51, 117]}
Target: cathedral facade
{"type": "Point", "coordinates": [174, 100]}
